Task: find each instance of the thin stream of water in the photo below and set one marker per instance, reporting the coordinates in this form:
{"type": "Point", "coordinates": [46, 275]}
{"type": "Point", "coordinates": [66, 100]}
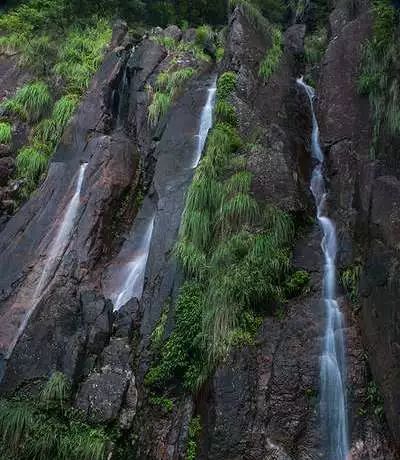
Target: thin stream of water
{"type": "Point", "coordinates": [333, 369]}
{"type": "Point", "coordinates": [134, 271]}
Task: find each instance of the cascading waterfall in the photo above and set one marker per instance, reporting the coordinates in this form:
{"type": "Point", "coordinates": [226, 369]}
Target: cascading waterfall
{"type": "Point", "coordinates": [135, 271]}
{"type": "Point", "coordinates": [206, 121]}
{"type": "Point", "coordinates": [333, 393]}
{"type": "Point", "coordinates": [59, 244]}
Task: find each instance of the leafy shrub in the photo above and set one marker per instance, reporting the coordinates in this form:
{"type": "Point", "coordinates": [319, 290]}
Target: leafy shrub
{"type": "Point", "coordinates": [350, 278]}
{"type": "Point", "coordinates": [5, 132]}
{"type": "Point", "coordinates": [203, 35]}
{"type": "Point", "coordinates": [226, 85]}
{"type": "Point", "coordinates": [32, 101]}
{"type": "Point", "coordinates": [272, 59]}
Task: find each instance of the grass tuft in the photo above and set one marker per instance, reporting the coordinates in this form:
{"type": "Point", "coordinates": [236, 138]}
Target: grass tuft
{"type": "Point", "coordinates": [272, 59]}
{"type": "Point", "coordinates": [5, 132]}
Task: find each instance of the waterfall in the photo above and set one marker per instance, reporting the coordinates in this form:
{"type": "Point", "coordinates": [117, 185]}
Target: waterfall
{"type": "Point", "coordinates": [128, 282]}
{"type": "Point", "coordinates": [206, 120]}
{"type": "Point", "coordinates": [135, 271]}
{"type": "Point", "coordinates": [333, 394]}
{"type": "Point", "coordinates": [60, 243]}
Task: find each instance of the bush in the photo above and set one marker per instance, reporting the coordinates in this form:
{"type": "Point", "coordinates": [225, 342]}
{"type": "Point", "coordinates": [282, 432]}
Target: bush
{"type": "Point", "coordinates": [5, 132]}
{"type": "Point", "coordinates": [193, 438]}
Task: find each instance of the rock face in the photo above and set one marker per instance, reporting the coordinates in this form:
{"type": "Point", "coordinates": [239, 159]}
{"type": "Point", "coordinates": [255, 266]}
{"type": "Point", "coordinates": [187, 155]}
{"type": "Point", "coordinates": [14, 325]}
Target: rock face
{"type": "Point", "coordinates": [262, 402]}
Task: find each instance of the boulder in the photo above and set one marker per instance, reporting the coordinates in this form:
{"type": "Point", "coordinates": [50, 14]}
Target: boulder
{"type": "Point", "coordinates": [294, 39]}
{"type": "Point", "coordinates": [173, 32]}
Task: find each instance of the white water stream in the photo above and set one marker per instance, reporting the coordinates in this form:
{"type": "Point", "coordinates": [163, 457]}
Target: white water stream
{"type": "Point", "coordinates": [133, 273]}
{"type": "Point", "coordinates": [206, 120]}
{"type": "Point", "coordinates": [333, 393]}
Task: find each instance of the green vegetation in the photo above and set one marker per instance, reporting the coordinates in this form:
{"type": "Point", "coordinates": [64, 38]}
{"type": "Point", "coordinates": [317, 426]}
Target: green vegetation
{"type": "Point", "coordinates": [236, 257]}
{"type": "Point", "coordinates": [47, 427]}
{"type": "Point", "coordinates": [31, 164]}
{"type": "Point", "coordinates": [193, 438]}
{"type": "Point", "coordinates": [315, 45]}
{"type": "Point", "coordinates": [272, 59]}
{"type": "Point", "coordinates": [63, 48]}
{"type": "Point", "coordinates": [379, 78]}
{"type": "Point", "coordinates": [5, 132]}
{"type": "Point", "coordinates": [167, 85]}
{"type": "Point", "coordinates": [32, 101]}
{"type": "Point", "coordinates": [350, 278]}
{"type": "Point", "coordinates": [226, 85]}
{"type": "Point", "coordinates": [160, 401]}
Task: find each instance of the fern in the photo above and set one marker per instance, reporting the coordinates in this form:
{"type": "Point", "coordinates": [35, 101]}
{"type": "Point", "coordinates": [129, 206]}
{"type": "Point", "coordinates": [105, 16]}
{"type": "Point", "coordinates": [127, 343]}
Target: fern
{"type": "Point", "coordinates": [225, 112]}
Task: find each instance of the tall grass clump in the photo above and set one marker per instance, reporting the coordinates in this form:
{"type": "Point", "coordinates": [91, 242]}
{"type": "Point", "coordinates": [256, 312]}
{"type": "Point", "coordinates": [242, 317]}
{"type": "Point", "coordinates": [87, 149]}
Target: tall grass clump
{"type": "Point", "coordinates": [236, 256]}
{"type": "Point", "coordinates": [272, 59]}
{"type": "Point", "coordinates": [32, 101]}
{"type": "Point", "coordinates": [47, 427]}
{"type": "Point", "coordinates": [167, 87]}
{"type": "Point", "coordinates": [80, 55]}
{"type": "Point", "coordinates": [378, 77]}
{"type": "Point", "coordinates": [31, 164]}
{"type": "Point", "coordinates": [5, 132]}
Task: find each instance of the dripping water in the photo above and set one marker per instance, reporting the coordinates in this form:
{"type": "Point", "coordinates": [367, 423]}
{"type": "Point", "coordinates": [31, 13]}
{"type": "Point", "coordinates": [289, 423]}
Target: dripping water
{"type": "Point", "coordinates": [60, 243]}
{"type": "Point", "coordinates": [333, 394]}
{"type": "Point", "coordinates": [206, 120]}
{"type": "Point", "coordinates": [133, 273]}
{"type": "Point", "coordinates": [135, 270]}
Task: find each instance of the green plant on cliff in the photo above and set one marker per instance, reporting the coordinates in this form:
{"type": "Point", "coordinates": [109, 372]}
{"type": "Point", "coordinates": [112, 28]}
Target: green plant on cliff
{"type": "Point", "coordinates": [47, 427]}
{"type": "Point", "coordinates": [350, 279]}
{"type": "Point", "coordinates": [32, 100]}
{"type": "Point", "coordinates": [315, 45]}
{"type": "Point", "coordinates": [5, 132]}
{"type": "Point", "coordinates": [31, 163]}
{"type": "Point", "coordinates": [379, 78]}
{"type": "Point", "coordinates": [235, 253]}
{"type": "Point", "coordinates": [273, 56]}
{"type": "Point", "coordinates": [167, 86]}
{"type": "Point", "coordinates": [193, 438]}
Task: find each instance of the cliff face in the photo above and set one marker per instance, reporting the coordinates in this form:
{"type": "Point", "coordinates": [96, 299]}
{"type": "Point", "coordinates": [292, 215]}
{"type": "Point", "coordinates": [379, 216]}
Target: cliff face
{"type": "Point", "coordinates": [262, 401]}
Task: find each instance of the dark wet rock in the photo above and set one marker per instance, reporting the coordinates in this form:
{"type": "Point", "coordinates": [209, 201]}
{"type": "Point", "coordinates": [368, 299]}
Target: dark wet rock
{"type": "Point", "coordinates": [5, 150]}
{"type": "Point", "coordinates": [189, 35]}
{"type": "Point", "coordinates": [294, 39]}
{"type": "Point", "coordinates": [120, 29]}
{"type": "Point", "coordinates": [127, 319]}
{"type": "Point", "coordinates": [173, 32]}
{"type": "Point", "coordinates": [266, 114]}
{"type": "Point", "coordinates": [164, 435]}
{"type": "Point", "coordinates": [7, 167]}
{"type": "Point", "coordinates": [102, 394]}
